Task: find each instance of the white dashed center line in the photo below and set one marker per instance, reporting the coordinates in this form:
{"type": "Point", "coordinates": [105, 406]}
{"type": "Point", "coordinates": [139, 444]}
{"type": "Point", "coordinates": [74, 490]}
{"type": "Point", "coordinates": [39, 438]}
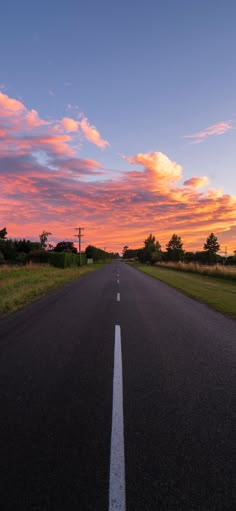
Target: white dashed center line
{"type": "Point", "coordinates": [117, 461]}
{"type": "Point", "coordinates": [118, 297]}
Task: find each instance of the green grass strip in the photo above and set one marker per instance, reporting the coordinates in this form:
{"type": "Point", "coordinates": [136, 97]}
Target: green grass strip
{"type": "Point", "coordinates": [20, 286]}
{"type": "Point", "coordinates": [216, 292]}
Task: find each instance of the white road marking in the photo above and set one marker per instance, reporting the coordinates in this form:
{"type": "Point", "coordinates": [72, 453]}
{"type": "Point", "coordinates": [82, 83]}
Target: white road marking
{"type": "Point", "coordinates": [117, 461]}
{"type": "Point", "coordinates": [118, 297]}
{"type": "Point", "coordinates": [118, 281]}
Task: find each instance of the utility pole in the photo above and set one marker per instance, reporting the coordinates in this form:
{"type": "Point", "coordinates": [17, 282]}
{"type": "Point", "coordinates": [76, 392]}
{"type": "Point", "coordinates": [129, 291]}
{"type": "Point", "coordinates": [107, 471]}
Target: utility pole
{"type": "Point", "coordinates": [226, 255]}
{"type": "Point", "coordinates": [79, 235]}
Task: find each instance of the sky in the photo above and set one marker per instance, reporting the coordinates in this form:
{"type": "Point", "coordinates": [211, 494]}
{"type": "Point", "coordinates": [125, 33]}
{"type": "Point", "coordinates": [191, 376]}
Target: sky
{"type": "Point", "coordinates": [119, 117]}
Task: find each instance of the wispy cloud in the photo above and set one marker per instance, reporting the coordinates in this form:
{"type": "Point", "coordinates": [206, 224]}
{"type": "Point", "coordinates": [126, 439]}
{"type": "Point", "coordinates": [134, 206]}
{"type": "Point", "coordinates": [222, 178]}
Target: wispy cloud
{"type": "Point", "coordinates": [216, 129]}
{"type": "Point", "coordinates": [91, 133]}
{"type": "Point", "coordinates": [23, 130]}
{"type": "Point", "coordinates": [197, 182]}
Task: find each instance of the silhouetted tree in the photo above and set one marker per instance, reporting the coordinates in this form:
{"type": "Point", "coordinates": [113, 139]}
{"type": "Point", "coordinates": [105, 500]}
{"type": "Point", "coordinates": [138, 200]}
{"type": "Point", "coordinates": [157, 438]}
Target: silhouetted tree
{"type": "Point", "coordinates": [3, 233]}
{"type": "Point", "coordinates": [151, 251]}
{"type": "Point", "coordinates": [130, 253]}
{"type": "Point", "coordinates": [211, 248]}
{"type": "Point", "coordinates": [174, 248]}
{"type": "Point", "coordinates": [44, 238]}
{"type": "Point", "coordinates": [125, 248]}
{"type": "Point", "coordinates": [65, 246]}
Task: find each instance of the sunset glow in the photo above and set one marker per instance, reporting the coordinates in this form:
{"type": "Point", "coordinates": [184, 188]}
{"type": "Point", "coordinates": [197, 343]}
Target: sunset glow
{"type": "Point", "coordinates": [121, 174]}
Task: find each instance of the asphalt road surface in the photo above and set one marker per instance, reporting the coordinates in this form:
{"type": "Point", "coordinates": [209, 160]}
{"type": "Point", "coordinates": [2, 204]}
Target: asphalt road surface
{"type": "Point", "coordinates": [77, 434]}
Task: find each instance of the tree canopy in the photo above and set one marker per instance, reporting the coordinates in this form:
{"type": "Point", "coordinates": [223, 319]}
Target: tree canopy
{"type": "Point", "coordinates": [174, 248]}
{"type": "Point", "coordinates": [44, 238]}
{"type": "Point", "coordinates": [65, 246]}
{"type": "Point", "coordinates": [211, 247]}
{"type": "Point", "coordinates": [3, 233]}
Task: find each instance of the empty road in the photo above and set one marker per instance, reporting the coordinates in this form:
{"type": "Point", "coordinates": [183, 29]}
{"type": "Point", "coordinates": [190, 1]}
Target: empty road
{"type": "Point", "coordinates": [117, 393]}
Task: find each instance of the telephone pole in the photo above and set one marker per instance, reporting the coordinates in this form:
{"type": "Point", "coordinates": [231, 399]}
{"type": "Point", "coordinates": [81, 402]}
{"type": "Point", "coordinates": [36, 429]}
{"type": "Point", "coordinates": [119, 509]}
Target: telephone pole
{"type": "Point", "coordinates": [79, 235]}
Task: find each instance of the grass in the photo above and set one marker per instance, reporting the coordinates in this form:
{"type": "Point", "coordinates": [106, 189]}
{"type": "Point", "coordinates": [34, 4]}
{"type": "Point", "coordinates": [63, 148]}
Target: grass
{"type": "Point", "coordinates": [216, 270]}
{"type": "Point", "coordinates": [22, 285]}
{"type": "Point", "coordinates": [216, 292]}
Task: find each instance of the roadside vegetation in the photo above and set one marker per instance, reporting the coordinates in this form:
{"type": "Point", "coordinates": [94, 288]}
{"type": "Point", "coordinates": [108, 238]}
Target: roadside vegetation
{"type": "Point", "coordinates": [20, 285]}
{"type": "Point", "coordinates": [174, 252]}
{"type": "Point", "coordinates": [216, 292]}
{"type": "Point", "coordinates": [29, 269]}
{"type": "Point", "coordinates": [204, 275]}
{"type": "Point", "coordinates": [217, 270]}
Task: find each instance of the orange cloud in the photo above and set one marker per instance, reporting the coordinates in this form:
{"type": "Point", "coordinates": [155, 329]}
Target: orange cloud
{"type": "Point", "coordinates": [216, 129]}
{"type": "Point", "coordinates": [197, 182]}
{"type": "Point", "coordinates": [69, 124]}
{"type": "Point", "coordinates": [91, 134]}
{"type": "Point", "coordinates": [159, 166]}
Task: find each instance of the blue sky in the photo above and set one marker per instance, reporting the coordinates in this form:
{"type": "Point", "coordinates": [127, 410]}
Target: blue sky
{"type": "Point", "coordinates": [144, 73]}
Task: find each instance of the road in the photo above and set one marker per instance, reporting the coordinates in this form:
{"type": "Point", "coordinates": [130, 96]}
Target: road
{"type": "Point", "coordinates": [71, 438]}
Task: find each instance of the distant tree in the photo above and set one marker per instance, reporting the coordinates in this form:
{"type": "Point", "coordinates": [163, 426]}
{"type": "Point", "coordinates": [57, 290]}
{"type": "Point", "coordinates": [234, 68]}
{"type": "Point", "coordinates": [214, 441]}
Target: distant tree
{"type": "Point", "coordinates": [211, 247]}
{"type": "Point", "coordinates": [174, 248]}
{"type": "Point", "coordinates": [44, 238]}
{"type": "Point", "coordinates": [156, 253]}
{"type": "Point", "coordinates": [3, 233]}
{"type": "Point", "coordinates": [65, 246]}
{"type": "Point", "coordinates": [125, 248]}
{"type": "Point", "coordinates": [143, 255]}
{"type": "Point", "coordinates": [149, 243]}
{"type": "Point", "coordinates": [151, 252]}
{"type": "Point", "coordinates": [130, 253]}
{"type": "Point", "coordinates": [152, 249]}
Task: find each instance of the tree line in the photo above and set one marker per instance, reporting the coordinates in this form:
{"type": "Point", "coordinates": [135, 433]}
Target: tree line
{"type": "Point", "coordinates": [152, 252]}
{"type": "Point", "coordinates": [21, 251]}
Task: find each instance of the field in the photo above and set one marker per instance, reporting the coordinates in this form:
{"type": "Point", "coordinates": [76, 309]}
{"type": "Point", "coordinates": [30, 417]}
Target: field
{"type": "Point", "coordinates": [21, 285]}
{"type": "Point", "coordinates": [219, 293]}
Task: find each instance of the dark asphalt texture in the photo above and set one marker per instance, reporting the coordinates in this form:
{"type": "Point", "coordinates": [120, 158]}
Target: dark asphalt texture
{"type": "Point", "coordinates": [56, 375]}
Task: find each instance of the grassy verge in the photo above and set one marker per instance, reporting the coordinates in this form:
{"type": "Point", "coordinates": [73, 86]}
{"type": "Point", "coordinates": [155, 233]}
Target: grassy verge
{"type": "Point", "coordinates": [21, 285]}
{"type": "Point", "coordinates": [216, 292]}
{"type": "Point", "coordinates": [217, 270]}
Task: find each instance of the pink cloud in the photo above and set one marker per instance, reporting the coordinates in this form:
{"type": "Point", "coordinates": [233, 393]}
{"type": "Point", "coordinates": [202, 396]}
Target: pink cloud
{"type": "Point", "coordinates": [59, 137]}
{"type": "Point", "coordinates": [9, 106]}
{"type": "Point", "coordinates": [92, 134]}
{"type": "Point", "coordinates": [216, 129]}
{"type": "Point", "coordinates": [32, 120]}
{"type": "Point", "coordinates": [197, 182]}
{"type": "Point", "coordinates": [114, 208]}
